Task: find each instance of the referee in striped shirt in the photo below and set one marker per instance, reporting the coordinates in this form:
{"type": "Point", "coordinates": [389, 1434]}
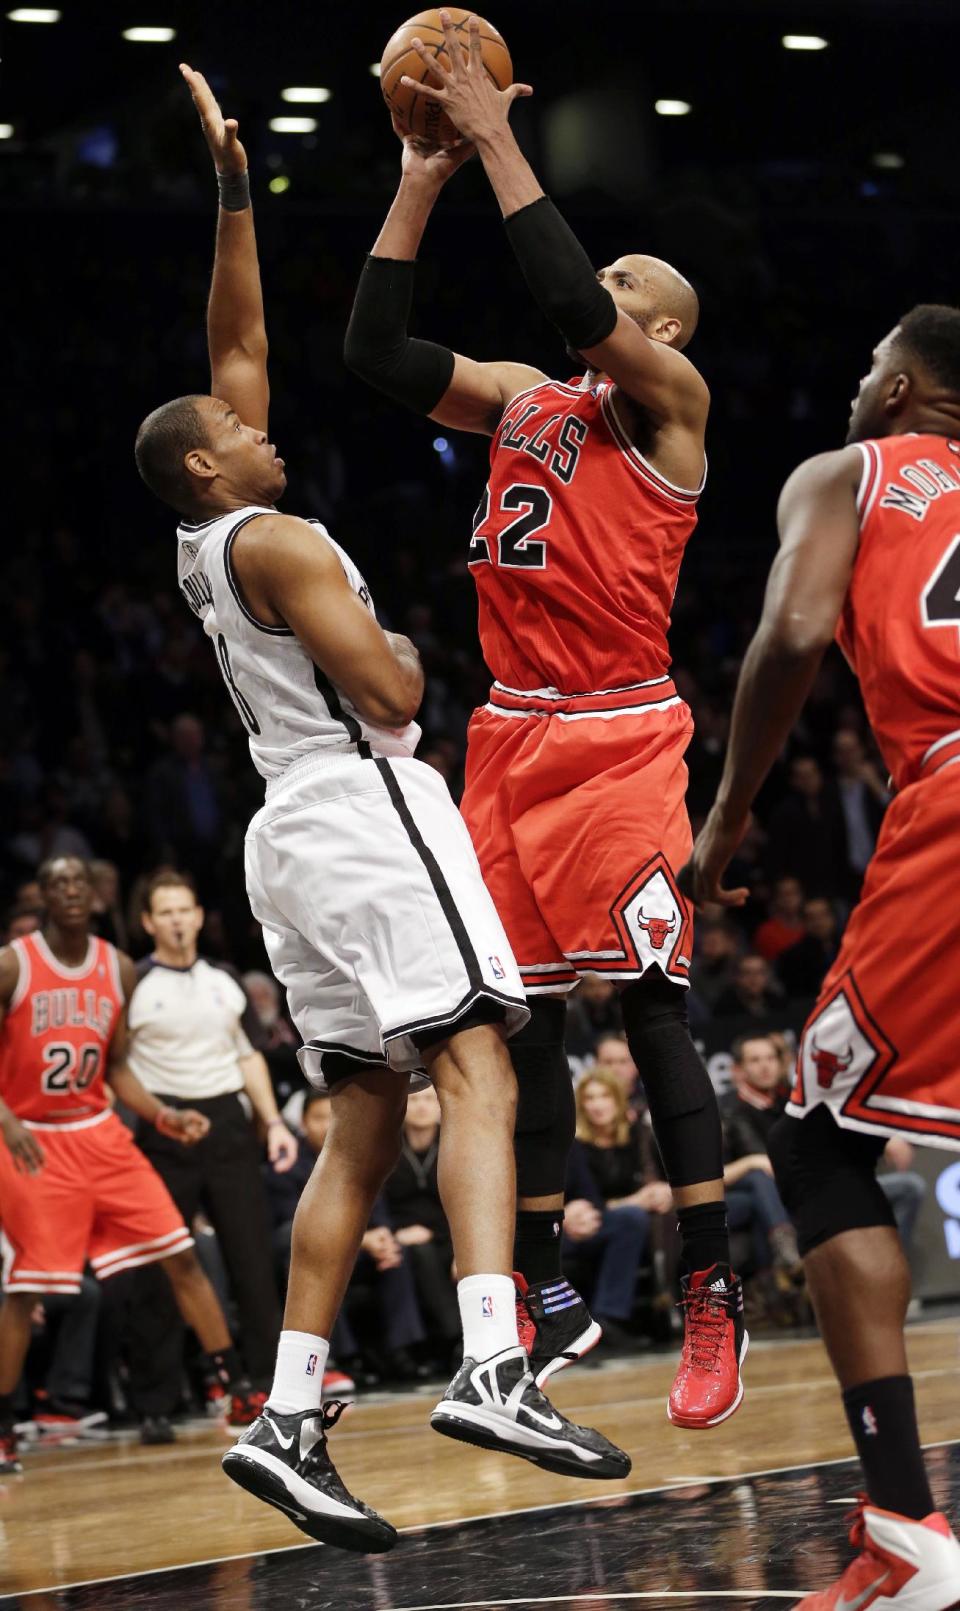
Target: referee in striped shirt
{"type": "Point", "coordinates": [190, 1025]}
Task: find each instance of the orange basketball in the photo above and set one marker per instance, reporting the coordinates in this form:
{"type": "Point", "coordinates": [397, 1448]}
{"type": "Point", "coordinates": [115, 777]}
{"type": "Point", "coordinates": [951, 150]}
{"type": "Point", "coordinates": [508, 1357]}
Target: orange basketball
{"type": "Point", "coordinates": [417, 113]}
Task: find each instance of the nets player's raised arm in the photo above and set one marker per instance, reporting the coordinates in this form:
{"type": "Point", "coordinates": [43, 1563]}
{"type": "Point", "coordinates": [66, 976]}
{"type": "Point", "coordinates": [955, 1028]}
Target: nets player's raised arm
{"type": "Point", "coordinates": [557, 269]}
{"type": "Point", "coordinates": [236, 331]}
{"type": "Point", "coordinates": [455, 391]}
{"type": "Point", "coordinates": [25, 1150]}
{"type": "Point", "coordinates": [819, 532]}
{"type": "Point", "coordinates": [291, 576]}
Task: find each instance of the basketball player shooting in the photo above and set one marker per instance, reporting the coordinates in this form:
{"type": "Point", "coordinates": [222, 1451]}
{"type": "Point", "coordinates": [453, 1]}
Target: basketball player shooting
{"type": "Point", "coordinates": [374, 913]}
{"type": "Point", "coordinates": [576, 782]}
{"type": "Point", "coordinates": [869, 554]}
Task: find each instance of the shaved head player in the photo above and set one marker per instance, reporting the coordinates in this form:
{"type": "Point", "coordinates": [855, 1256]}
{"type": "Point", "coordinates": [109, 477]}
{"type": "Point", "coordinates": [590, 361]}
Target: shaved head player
{"type": "Point", "coordinates": [373, 910]}
{"type": "Point", "coordinates": [869, 552]}
{"type": "Point", "coordinates": [576, 779]}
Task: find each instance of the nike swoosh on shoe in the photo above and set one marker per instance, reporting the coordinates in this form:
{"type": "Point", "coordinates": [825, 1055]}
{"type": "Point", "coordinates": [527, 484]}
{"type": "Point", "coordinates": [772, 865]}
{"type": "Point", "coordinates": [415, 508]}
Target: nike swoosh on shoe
{"type": "Point", "coordinates": [861, 1599]}
{"type": "Point", "coordinates": [284, 1442]}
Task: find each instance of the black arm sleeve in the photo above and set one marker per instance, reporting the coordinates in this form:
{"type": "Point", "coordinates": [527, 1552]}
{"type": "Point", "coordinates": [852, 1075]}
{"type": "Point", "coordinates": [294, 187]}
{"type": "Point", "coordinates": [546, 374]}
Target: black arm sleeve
{"type": "Point", "coordinates": [560, 275]}
{"type": "Point", "coordinates": [377, 347]}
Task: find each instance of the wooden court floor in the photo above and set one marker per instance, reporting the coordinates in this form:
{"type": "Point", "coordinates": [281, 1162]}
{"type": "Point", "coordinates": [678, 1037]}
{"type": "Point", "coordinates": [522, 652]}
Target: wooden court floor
{"type": "Point", "coordinates": [109, 1510]}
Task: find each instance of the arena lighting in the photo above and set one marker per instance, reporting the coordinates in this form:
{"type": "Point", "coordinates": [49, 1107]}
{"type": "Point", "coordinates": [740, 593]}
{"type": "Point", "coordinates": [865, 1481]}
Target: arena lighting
{"type": "Point", "coordinates": [293, 125]}
{"type": "Point", "coordinates": [888, 159]}
{"type": "Point", "coordinates": [32, 14]}
{"type": "Point", "coordinates": [440, 444]}
{"type": "Point", "coordinates": [374, 68]}
{"type": "Point", "coordinates": [278, 184]}
{"type": "Point", "coordinates": [306, 94]}
{"type": "Point", "coordinates": [6, 131]}
{"type": "Point", "coordinates": [804, 42]}
{"type": "Point", "coordinates": [672, 108]}
{"type": "Point", "coordinates": [150, 36]}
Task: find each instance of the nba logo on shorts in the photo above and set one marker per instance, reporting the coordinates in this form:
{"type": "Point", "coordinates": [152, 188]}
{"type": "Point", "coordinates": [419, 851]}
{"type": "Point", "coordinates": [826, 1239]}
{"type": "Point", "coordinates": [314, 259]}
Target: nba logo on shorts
{"type": "Point", "coordinates": [486, 1308]}
{"type": "Point", "coordinates": [312, 1365]}
{"type": "Point", "coordinates": [499, 971]}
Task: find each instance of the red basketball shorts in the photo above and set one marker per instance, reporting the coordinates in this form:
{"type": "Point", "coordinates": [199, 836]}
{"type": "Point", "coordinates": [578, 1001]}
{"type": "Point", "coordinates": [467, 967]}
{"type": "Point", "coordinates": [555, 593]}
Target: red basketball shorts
{"type": "Point", "coordinates": [96, 1198]}
{"type": "Point", "coordinates": [881, 1047]}
{"type": "Point", "coordinates": [577, 811]}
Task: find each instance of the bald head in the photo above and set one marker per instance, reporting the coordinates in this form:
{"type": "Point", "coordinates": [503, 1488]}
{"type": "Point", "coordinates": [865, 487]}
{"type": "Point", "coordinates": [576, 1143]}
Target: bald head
{"type": "Point", "coordinates": [655, 295]}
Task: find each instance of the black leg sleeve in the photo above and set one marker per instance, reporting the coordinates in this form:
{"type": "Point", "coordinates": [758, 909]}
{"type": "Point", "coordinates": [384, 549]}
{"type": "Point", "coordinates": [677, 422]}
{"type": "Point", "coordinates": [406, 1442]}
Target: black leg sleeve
{"type": "Point", "coordinates": [682, 1102]}
{"type": "Point", "coordinates": [546, 1111]}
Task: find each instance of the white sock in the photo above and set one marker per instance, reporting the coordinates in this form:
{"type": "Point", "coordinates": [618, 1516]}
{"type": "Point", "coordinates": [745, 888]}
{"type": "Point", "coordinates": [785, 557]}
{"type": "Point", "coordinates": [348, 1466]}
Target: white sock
{"type": "Point", "coordinates": [298, 1375]}
{"type": "Point", "coordinates": [488, 1314]}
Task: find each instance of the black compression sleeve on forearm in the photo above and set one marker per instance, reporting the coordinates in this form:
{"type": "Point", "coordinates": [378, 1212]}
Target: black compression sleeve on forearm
{"type": "Point", "coordinates": [377, 347]}
{"type": "Point", "coordinates": [560, 274]}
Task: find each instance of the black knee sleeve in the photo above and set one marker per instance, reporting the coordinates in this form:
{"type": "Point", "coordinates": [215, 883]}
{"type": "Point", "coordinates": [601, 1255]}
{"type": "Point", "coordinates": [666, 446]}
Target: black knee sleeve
{"type": "Point", "coordinates": [546, 1110]}
{"type": "Point", "coordinates": [681, 1099]}
{"type": "Point", "coordinates": [827, 1177]}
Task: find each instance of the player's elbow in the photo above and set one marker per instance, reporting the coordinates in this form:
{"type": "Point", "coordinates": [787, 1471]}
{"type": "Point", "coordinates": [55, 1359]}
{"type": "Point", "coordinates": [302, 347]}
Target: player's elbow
{"type": "Point", "coordinates": [798, 636]}
{"type": "Point", "coordinates": [389, 707]}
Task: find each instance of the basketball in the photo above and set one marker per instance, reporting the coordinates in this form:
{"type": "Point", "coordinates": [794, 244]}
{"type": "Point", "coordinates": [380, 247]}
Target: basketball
{"type": "Point", "coordinates": [417, 113]}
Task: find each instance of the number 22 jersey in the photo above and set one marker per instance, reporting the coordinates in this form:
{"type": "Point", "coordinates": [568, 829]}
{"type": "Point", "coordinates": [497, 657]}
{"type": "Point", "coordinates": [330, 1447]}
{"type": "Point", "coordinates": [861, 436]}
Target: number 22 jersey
{"type": "Point", "coordinates": [57, 1031]}
{"type": "Point", "coordinates": [576, 547]}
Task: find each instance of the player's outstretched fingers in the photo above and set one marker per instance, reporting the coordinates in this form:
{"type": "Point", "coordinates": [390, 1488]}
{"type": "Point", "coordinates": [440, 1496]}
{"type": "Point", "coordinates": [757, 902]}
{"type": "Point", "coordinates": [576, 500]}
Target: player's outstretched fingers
{"type": "Point", "coordinates": [433, 65]}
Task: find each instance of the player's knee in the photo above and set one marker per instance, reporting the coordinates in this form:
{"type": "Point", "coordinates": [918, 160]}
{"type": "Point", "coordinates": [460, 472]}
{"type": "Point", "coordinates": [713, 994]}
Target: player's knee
{"type": "Point", "coordinates": [675, 1080]}
{"type": "Point", "coordinates": [546, 1109]}
{"type": "Point", "coordinates": [827, 1177]}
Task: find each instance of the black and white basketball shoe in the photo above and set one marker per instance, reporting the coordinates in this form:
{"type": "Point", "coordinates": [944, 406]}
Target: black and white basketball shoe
{"type": "Point", "coordinates": [496, 1404]}
{"type": "Point", "coordinates": [283, 1460]}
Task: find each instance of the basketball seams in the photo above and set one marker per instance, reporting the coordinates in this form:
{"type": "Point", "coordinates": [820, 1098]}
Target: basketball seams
{"type": "Point", "coordinates": [420, 115]}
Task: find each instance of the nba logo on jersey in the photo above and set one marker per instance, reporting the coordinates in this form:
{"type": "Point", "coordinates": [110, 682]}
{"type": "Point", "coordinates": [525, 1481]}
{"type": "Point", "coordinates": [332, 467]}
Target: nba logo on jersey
{"type": "Point", "coordinates": [312, 1365]}
{"type": "Point", "coordinates": [486, 1308]}
{"type": "Point", "coordinates": [499, 971]}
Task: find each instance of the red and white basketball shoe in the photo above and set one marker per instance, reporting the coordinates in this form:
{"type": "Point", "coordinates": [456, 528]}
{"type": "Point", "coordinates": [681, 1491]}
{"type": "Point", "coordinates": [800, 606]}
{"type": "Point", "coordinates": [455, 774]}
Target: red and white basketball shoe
{"type": "Point", "coordinates": [903, 1565]}
{"type": "Point", "coordinates": [708, 1386]}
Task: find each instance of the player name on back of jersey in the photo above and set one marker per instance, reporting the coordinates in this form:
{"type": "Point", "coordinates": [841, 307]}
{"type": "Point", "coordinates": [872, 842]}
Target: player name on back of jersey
{"type": "Point", "coordinates": [70, 1008]}
{"type": "Point", "coordinates": [921, 484]}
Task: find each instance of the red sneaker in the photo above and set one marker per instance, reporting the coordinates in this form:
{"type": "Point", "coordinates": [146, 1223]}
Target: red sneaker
{"type": "Point", "coordinates": [245, 1406]}
{"type": "Point", "coordinates": [214, 1396]}
{"type": "Point", "coordinates": [708, 1385]}
{"type": "Point", "coordinates": [9, 1447]}
{"type": "Point", "coordinates": [337, 1384]}
{"type": "Point", "coordinates": [903, 1564]}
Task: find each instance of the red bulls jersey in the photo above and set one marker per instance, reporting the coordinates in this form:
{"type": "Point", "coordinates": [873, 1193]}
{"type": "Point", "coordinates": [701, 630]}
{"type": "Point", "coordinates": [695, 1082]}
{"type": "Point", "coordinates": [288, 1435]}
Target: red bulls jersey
{"type": "Point", "coordinates": [576, 546]}
{"type": "Point", "coordinates": [55, 1036]}
{"type": "Point", "coordinates": [900, 628]}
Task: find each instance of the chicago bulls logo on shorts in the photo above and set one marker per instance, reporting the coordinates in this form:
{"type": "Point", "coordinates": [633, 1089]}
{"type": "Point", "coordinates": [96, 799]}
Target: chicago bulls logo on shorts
{"type": "Point", "coordinates": [653, 922]}
{"type": "Point", "coordinates": [829, 1064]}
{"type": "Point", "coordinates": [657, 927]}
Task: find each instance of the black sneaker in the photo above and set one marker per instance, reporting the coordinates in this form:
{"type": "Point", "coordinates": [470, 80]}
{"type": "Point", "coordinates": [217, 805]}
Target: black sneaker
{"type": "Point", "coordinates": [283, 1460]}
{"type": "Point", "coordinates": [9, 1448]}
{"type": "Point", "coordinates": [554, 1325]}
{"type": "Point", "coordinates": [156, 1429]}
{"type": "Point", "coordinates": [496, 1404]}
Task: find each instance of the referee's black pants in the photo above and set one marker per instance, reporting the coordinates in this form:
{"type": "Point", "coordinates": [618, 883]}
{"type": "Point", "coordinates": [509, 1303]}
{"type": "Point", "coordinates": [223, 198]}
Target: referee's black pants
{"type": "Point", "coordinates": [221, 1176]}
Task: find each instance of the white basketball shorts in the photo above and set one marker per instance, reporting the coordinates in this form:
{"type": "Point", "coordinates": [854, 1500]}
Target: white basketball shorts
{"type": "Point", "coordinates": [375, 916]}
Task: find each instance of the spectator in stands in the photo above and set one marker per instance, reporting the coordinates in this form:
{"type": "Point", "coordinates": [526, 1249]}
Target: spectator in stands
{"type": "Point", "coordinates": [607, 1215]}
{"type": "Point", "coordinates": [22, 919]}
{"type": "Point", "coordinates": [594, 1010]}
{"type": "Point", "coordinates": [863, 798]}
{"type": "Point", "coordinates": [806, 834]}
{"type": "Point", "coordinates": [749, 1111]}
{"type": "Point", "coordinates": [903, 1187]}
{"type": "Point", "coordinates": [183, 799]}
{"type": "Point", "coordinates": [420, 1225]}
{"type": "Point", "coordinates": [802, 967]}
{"type": "Point", "coordinates": [108, 915]}
{"type": "Point", "coordinates": [754, 992]}
{"type": "Point", "coordinates": [784, 926]}
{"type": "Point", "coordinates": [382, 1265]}
{"type": "Point", "coordinates": [717, 949]}
{"type": "Point", "coordinates": [277, 1039]}
{"type": "Point", "coordinates": [189, 1045]}
{"type": "Point", "coordinates": [614, 1057]}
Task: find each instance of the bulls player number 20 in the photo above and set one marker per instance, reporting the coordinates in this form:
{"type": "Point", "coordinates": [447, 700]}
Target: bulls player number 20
{"type": "Point", "coordinates": [517, 548]}
{"type": "Point", "coordinates": [68, 1068]}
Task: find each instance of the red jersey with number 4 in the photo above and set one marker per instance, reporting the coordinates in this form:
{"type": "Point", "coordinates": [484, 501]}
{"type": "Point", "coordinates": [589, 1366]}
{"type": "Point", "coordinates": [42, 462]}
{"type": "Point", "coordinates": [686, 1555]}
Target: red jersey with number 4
{"type": "Point", "coordinates": [57, 1031]}
{"type": "Point", "coordinates": [576, 546]}
{"type": "Point", "coordinates": [900, 628]}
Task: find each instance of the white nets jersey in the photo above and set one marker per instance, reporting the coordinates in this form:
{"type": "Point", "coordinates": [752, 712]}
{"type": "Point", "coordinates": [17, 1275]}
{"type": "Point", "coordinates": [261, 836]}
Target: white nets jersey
{"type": "Point", "coordinates": [286, 703]}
